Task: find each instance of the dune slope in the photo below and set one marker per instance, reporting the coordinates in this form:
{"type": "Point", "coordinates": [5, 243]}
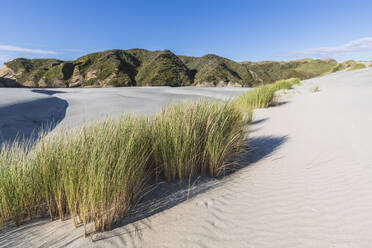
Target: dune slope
{"type": "Point", "coordinates": [23, 110]}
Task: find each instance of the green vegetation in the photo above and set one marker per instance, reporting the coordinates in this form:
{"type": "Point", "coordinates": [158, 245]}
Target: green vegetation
{"type": "Point", "coordinates": [349, 63]}
{"type": "Point", "coordinates": [164, 67]}
{"type": "Point", "coordinates": [285, 84]}
{"type": "Point", "coordinates": [196, 138]}
{"type": "Point", "coordinates": [94, 174]}
{"type": "Point", "coordinates": [267, 72]}
{"type": "Point", "coordinates": [30, 71]}
{"type": "Point", "coordinates": [357, 67]}
{"type": "Point", "coordinates": [139, 67]}
{"type": "Point", "coordinates": [263, 96]}
{"type": "Point", "coordinates": [316, 68]}
{"type": "Point", "coordinates": [214, 69]}
{"type": "Point", "coordinates": [339, 67]}
{"type": "Point", "coordinates": [113, 67]}
{"type": "Point", "coordinates": [97, 173]}
{"type": "Point", "coordinates": [19, 198]}
{"type": "Point", "coordinates": [314, 89]}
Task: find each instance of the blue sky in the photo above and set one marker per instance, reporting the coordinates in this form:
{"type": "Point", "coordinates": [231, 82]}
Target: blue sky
{"type": "Point", "coordinates": [239, 30]}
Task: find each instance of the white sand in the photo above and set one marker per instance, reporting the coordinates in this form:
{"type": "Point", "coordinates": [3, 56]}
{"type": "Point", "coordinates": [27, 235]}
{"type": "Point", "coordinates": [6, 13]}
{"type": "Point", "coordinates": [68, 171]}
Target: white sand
{"type": "Point", "coordinates": [23, 110]}
{"type": "Point", "coordinates": [308, 184]}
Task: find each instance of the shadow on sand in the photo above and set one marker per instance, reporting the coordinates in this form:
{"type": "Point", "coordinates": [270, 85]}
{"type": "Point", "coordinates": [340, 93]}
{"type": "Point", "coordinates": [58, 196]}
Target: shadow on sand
{"type": "Point", "coordinates": [48, 92]}
{"type": "Point", "coordinates": [168, 195]}
{"type": "Point", "coordinates": [163, 196]}
{"type": "Point", "coordinates": [26, 119]}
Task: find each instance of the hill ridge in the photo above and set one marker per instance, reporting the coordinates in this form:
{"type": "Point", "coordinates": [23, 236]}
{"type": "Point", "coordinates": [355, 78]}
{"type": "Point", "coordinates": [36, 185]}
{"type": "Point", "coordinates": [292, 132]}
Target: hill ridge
{"type": "Point", "coordinates": [141, 67]}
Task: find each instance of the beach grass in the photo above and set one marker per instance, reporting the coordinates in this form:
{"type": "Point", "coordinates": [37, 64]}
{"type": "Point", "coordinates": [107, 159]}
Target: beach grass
{"type": "Point", "coordinates": [96, 173]}
{"type": "Point", "coordinates": [314, 89]}
{"type": "Point", "coordinates": [285, 84]}
{"type": "Point", "coordinates": [19, 188]}
{"type": "Point", "coordinates": [196, 137]}
{"type": "Point", "coordinates": [357, 67]}
{"type": "Point", "coordinates": [263, 96]}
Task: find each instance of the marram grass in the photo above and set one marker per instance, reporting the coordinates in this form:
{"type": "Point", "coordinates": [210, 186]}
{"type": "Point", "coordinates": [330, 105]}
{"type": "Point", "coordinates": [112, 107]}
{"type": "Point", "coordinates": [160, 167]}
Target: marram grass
{"type": "Point", "coordinates": [314, 89]}
{"type": "Point", "coordinates": [285, 84]}
{"type": "Point", "coordinates": [260, 97]}
{"type": "Point", "coordinates": [357, 66]}
{"type": "Point", "coordinates": [95, 174]}
{"type": "Point", "coordinates": [19, 185]}
{"type": "Point", "coordinates": [196, 137]}
{"type": "Point", "coordinates": [263, 96]}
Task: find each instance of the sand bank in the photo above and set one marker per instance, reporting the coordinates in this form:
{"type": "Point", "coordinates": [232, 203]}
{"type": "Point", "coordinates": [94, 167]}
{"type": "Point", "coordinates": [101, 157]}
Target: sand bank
{"type": "Point", "coordinates": [24, 110]}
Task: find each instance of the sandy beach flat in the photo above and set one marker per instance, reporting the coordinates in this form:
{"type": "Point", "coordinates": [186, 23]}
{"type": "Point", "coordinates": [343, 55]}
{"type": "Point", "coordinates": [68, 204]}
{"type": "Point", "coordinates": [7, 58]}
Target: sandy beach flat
{"type": "Point", "coordinates": [307, 183]}
{"type": "Point", "coordinates": [24, 110]}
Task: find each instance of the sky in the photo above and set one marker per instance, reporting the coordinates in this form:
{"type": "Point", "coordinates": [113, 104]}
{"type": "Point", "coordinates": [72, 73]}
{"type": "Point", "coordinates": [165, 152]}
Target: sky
{"type": "Point", "coordinates": [237, 29]}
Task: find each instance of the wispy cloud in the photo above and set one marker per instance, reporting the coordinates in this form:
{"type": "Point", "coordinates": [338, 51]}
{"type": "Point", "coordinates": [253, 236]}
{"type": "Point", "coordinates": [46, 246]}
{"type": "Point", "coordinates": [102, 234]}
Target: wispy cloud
{"type": "Point", "coordinates": [350, 48]}
{"type": "Point", "coordinates": [74, 50]}
{"type": "Point", "coordinates": [10, 48]}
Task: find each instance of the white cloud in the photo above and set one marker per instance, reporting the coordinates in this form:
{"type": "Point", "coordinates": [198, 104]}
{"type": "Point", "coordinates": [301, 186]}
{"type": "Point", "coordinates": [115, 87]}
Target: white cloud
{"type": "Point", "coordinates": [74, 50]}
{"type": "Point", "coordinates": [10, 48]}
{"type": "Point", "coordinates": [350, 48]}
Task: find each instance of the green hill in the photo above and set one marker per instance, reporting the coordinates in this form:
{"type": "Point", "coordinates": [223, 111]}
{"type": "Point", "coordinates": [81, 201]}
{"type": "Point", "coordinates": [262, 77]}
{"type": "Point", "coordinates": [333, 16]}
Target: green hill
{"type": "Point", "coordinates": [139, 67]}
{"type": "Point", "coordinates": [214, 69]}
{"type": "Point", "coordinates": [163, 68]}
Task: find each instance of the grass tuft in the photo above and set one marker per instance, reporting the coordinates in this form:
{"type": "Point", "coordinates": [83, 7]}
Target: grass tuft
{"type": "Point", "coordinates": [357, 67]}
{"type": "Point", "coordinates": [263, 96]}
{"type": "Point", "coordinates": [19, 188]}
{"type": "Point", "coordinates": [95, 174]}
{"type": "Point", "coordinates": [314, 89]}
{"type": "Point", "coordinates": [195, 138]}
{"type": "Point", "coordinates": [285, 84]}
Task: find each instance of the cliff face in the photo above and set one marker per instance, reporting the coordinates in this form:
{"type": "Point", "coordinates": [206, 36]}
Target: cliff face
{"type": "Point", "coordinates": [8, 77]}
{"type": "Point", "coordinates": [139, 67]}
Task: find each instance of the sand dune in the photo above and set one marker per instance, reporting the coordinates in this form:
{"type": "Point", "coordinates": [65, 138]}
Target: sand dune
{"type": "Point", "coordinates": [24, 110]}
{"type": "Point", "coordinates": [308, 183]}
